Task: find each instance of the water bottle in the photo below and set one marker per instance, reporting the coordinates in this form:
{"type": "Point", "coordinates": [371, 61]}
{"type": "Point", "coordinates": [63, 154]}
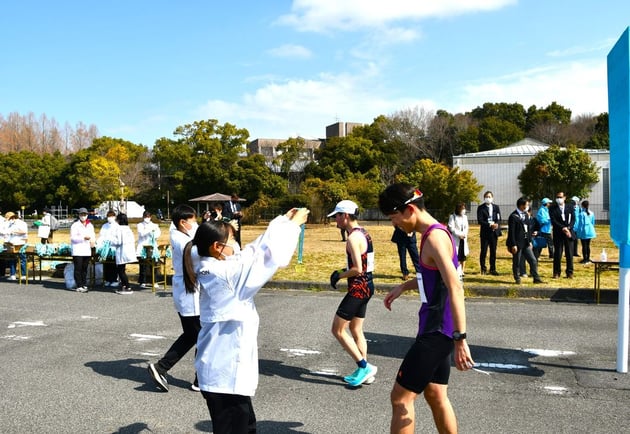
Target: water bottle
{"type": "Point", "coordinates": [603, 257]}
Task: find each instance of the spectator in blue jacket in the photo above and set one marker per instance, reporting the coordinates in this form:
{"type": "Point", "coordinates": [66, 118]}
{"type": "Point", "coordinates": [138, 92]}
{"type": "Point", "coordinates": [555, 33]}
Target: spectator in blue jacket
{"type": "Point", "coordinates": [576, 211]}
{"type": "Point", "coordinates": [585, 231]}
{"type": "Point", "coordinates": [544, 223]}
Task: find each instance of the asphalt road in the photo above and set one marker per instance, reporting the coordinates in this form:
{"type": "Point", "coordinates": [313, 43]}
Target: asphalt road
{"type": "Point", "coordinates": [76, 363]}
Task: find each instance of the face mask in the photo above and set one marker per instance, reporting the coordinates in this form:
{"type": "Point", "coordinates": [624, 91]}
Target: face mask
{"type": "Point", "coordinates": [147, 220]}
{"type": "Point", "coordinates": [487, 200]}
{"type": "Point", "coordinates": [83, 218]}
{"type": "Point", "coordinates": [559, 200]}
{"type": "Point", "coordinates": [526, 209]}
{"type": "Point", "coordinates": [462, 212]}
{"type": "Point", "coordinates": [193, 229]}
{"type": "Point", "coordinates": [111, 219]}
{"type": "Point", "coordinates": [235, 248]}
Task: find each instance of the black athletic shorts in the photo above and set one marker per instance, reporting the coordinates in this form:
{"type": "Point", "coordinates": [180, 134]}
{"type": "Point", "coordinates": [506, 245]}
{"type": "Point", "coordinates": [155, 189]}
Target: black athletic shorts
{"type": "Point", "coordinates": [427, 361]}
{"type": "Point", "coordinates": [352, 307]}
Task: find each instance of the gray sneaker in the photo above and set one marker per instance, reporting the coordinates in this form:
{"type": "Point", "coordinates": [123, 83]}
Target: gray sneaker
{"type": "Point", "coordinates": [125, 290]}
{"type": "Point", "coordinates": [158, 379]}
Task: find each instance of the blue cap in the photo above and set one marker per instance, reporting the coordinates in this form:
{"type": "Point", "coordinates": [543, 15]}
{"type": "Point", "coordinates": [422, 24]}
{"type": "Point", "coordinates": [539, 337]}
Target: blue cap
{"type": "Point", "coordinates": [545, 200]}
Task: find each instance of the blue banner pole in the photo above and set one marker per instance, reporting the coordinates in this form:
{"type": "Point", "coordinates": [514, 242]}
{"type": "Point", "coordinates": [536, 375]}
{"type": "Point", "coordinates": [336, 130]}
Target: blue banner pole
{"type": "Point", "coordinates": [619, 127]}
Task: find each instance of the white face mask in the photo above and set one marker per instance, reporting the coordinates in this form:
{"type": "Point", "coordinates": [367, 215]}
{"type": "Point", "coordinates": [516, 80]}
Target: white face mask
{"type": "Point", "coordinates": [83, 218]}
{"type": "Point", "coordinates": [487, 200]}
{"type": "Point", "coordinates": [526, 209]}
{"type": "Point", "coordinates": [111, 219]}
{"type": "Point", "coordinates": [462, 212]}
{"type": "Point", "coordinates": [235, 248]}
{"type": "Point", "coordinates": [559, 200]}
{"type": "Point", "coordinates": [193, 229]}
{"type": "Point", "coordinates": [147, 220]}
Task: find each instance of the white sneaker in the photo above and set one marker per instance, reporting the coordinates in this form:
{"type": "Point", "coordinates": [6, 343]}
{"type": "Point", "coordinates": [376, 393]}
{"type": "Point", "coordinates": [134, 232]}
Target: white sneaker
{"type": "Point", "coordinates": [23, 278]}
{"type": "Point", "coordinates": [82, 289]}
{"type": "Point", "coordinates": [143, 285]}
{"type": "Point", "coordinates": [12, 277]}
{"type": "Point", "coordinates": [156, 286]}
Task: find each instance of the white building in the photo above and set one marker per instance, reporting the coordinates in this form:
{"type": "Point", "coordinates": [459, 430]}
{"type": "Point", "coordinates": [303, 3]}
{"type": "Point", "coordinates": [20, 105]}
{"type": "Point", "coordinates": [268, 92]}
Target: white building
{"type": "Point", "coordinates": [497, 170]}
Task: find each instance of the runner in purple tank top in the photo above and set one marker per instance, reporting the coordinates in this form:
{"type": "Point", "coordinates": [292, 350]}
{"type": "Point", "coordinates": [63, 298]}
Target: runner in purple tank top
{"type": "Point", "coordinates": [442, 316]}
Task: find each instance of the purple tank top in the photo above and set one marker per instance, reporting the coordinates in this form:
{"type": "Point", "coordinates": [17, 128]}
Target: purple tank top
{"type": "Point", "coordinates": [435, 315]}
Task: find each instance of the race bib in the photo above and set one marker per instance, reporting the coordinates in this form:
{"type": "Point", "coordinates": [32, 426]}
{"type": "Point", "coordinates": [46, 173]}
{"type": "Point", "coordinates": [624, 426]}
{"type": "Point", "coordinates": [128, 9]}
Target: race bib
{"type": "Point", "coordinates": [423, 295]}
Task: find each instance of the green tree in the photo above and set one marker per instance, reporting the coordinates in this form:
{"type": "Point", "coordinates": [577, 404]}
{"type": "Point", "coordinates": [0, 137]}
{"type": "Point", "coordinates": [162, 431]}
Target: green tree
{"type": "Point", "coordinates": [600, 138]}
{"type": "Point", "coordinates": [555, 169]}
{"type": "Point", "coordinates": [443, 187]}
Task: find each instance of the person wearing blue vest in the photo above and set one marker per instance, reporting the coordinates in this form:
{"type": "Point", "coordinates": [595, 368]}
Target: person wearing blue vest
{"type": "Point", "coordinates": [544, 224]}
{"type": "Point", "coordinates": [586, 230]}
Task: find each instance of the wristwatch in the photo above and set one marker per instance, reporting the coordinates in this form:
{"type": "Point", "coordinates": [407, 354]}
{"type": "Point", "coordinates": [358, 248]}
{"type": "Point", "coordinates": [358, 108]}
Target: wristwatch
{"type": "Point", "coordinates": [457, 336]}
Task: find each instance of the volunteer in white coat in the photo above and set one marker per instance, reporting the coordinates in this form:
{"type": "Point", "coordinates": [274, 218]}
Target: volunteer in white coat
{"type": "Point", "coordinates": [148, 234]}
{"type": "Point", "coordinates": [228, 280]}
{"type": "Point", "coordinates": [181, 232]}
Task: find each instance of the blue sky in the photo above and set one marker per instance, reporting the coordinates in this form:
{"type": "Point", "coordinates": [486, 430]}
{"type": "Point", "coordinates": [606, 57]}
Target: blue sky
{"type": "Point", "coordinates": [139, 69]}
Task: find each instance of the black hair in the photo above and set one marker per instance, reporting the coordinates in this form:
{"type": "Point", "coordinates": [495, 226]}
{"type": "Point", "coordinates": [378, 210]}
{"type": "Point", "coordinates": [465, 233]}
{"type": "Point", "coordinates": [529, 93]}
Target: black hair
{"type": "Point", "coordinates": [206, 235]}
{"type": "Point", "coordinates": [585, 204]}
{"type": "Point", "coordinates": [521, 201]}
{"type": "Point", "coordinates": [146, 214]}
{"type": "Point", "coordinates": [396, 196]}
{"type": "Point", "coordinates": [122, 220]}
{"type": "Point", "coordinates": [111, 213]}
{"type": "Point", "coordinates": [182, 212]}
{"type": "Point", "coordinates": [459, 207]}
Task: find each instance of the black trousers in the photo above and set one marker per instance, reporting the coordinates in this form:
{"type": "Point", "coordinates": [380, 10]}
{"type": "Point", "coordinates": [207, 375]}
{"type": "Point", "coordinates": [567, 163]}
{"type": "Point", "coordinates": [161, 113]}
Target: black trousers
{"type": "Point", "coordinates": [560, 243]}
{"type": "Point", "coordinates": [188, 339]}
{"type": "Point", "coordinates": [230, 414]}
{"type": "Point", "coordinates": [488, 242]}
{"type": "Point", "coordinates": [81, 264]}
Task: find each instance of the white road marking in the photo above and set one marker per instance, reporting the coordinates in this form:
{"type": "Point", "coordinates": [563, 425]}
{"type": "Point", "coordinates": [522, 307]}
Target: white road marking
{"type": "Point", "coordinates": [295, 352]}
{"type": "Point", "coordinates": [26, 324]}
{"type": "Point", "coordinates": [141, 338]}
{"type": "Point", "coordinates": [16, 338]}
{"type": "Point", "coordinates": [547, 353]}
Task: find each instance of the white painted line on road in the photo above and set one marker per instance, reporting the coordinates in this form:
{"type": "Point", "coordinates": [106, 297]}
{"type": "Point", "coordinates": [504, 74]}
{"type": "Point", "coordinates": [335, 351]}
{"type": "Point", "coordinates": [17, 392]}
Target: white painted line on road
{"type": "Point", "coordinates": [88, 317]}
{"type": "Point", "coordinates": [547, 353]}
{"type": "Point", "coordinates": [295, 352]}
{"type": "Point", "coordinates": [556, 390]}
{"type": "Point", "coordinates": [328, 372]}
{"type": "Point", "coordinates": [26, 324]}
{"type": "Point", "coordinates": [140, 338]}
{"type": "Point", "coordinates": [500, 365]}
{"type": "Point", "coordinates": [16, 338]}
{"type": "Point", "coordinates": [150, 354]}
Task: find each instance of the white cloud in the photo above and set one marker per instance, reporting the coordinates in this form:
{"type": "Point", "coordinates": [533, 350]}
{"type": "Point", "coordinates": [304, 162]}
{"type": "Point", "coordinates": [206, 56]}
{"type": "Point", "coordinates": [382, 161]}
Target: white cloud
{"type": "Point", "coordinates": [291, 51]}
{"type": "Point", "coordinates": [305, 107]}
{"type": "Point", "coordinates": [348, 15]}
{"type": "Point", "coordinates": [579, 86]}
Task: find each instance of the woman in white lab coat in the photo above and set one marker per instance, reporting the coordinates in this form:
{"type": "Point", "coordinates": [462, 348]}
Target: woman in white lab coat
{"type": "Point", "coordinates": [228, 279]}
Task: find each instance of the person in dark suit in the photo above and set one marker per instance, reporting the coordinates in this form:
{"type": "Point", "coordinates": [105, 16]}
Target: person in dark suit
{"type": "Point", "coordinates": [232, 210]}
{"type": "Point", "coordinates": [489, 219]}
{"type": "Point", "coordinates": [562, 220]}
{"type": "Point", "coordinates": [519, 240]}
{"type": "Point", "coordinates": [406, 243]}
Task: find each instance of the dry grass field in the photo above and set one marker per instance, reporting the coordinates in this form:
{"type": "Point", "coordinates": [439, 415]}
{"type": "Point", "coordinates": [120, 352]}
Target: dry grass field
{"type": "Point", "coordinates": [323, 252]}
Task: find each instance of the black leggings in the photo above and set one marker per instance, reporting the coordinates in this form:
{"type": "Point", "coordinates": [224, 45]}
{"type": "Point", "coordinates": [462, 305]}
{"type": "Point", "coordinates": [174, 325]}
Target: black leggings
{"type": "Point", "coordinates": [230, 414]}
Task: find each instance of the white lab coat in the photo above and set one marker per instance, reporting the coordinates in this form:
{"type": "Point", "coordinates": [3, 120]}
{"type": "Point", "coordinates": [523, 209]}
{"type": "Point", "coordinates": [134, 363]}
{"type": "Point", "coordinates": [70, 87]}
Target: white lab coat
{"type": "Point", "coordinates": [78, 232]}
{"type": "Point", "coordinates": [124, 241]}
{"type": "Point", "coordinates": [147, 233]}
{"type": "Point", "coordinates": [186, 304]}
{"type": "Point", "coordinates": [227, 348]}
{"type": "Point", "coordinates": [16, 231]}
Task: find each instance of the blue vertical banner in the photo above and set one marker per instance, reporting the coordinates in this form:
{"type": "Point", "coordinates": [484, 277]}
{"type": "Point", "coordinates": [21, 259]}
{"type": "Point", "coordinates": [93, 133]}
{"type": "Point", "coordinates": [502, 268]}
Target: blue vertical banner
{"type": "Point", "coordinates": [619, 129]}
